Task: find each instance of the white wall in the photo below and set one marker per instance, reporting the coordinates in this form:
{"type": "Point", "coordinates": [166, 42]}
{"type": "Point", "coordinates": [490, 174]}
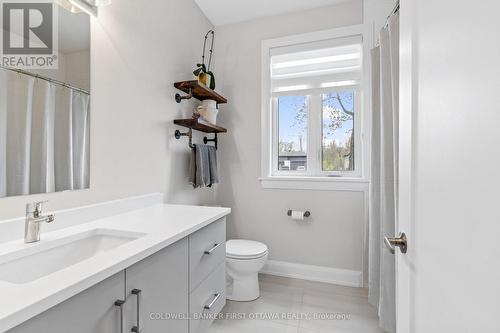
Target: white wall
{"type": "Point", "coordinates": [333, 237]}
{"type": "Point", "coordinates": [139, 48]}
{"type": "Point", "coordinates": [73, 68]}
{"type": "Point", "coordinates": [78, 69]}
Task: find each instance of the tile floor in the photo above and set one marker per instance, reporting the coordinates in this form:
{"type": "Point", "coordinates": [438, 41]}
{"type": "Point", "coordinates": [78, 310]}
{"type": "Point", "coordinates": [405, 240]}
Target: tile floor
{"type": "Point", "coordinates": [287, 302]}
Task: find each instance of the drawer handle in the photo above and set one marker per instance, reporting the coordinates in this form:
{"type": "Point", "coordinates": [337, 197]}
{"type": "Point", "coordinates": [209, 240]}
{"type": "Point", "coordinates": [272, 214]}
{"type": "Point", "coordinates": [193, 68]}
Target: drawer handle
{"type": "Point", "coordinates": [137, 327]}
{"type": "Point", "coordinates": [120, 303]}
{"type": "Point", "coordinates": [216, 245]}
{"type": "Point", "coordinates": [209, 306]}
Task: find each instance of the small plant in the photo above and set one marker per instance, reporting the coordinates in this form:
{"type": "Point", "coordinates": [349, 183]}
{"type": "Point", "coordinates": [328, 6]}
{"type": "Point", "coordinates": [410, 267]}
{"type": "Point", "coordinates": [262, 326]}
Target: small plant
{"type": "Point", "coordinates": [203, 71]}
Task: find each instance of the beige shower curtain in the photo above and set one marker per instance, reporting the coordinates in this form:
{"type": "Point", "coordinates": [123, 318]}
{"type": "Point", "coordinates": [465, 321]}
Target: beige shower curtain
{"type": "Point", "coordinates": [384, 184]}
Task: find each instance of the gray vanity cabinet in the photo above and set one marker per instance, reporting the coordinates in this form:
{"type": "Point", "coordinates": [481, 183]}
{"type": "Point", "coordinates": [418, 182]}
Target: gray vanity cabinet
{"type": "Point", "coordinates": [92, 310]}
{"type": "Point", "coordinates": [157, 289]}
{"type": "Point", "coordinates": [185, 279]}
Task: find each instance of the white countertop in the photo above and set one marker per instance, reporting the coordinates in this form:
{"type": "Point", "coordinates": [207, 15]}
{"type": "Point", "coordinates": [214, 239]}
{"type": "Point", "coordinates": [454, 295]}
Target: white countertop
{"type": "Point", "coordinates": [162, 224]}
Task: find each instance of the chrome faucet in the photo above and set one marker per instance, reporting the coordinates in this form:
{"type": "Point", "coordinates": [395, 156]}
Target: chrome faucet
{"type": "Point", "coordinates": [33, 219]}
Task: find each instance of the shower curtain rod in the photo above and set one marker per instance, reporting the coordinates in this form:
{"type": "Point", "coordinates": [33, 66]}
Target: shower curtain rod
{"type": "Point", "coordinates": [37, 76]}
{"type": "Point", "coordinates": [394, 11]}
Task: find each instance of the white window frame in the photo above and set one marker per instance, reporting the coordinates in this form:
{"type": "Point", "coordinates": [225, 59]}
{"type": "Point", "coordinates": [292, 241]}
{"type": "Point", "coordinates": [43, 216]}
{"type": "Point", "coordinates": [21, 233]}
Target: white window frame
{"type": "Point", "coordinates": [271, 177]}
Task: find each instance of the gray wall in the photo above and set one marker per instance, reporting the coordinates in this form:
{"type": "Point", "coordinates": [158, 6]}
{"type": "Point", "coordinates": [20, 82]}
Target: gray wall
{"type": "Point", "coordinates": [333, 237]}
{"type": "Point", "coordinates": [139, 48]}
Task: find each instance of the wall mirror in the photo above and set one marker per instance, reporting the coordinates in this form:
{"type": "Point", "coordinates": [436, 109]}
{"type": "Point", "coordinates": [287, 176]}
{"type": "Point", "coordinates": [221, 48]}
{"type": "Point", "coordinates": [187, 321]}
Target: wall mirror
{"type": "Point", "coordinates": [45, 115]}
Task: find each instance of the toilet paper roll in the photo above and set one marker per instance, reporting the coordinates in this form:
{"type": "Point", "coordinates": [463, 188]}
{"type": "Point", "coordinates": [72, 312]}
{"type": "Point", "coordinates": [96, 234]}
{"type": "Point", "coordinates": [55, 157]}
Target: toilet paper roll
{"type": "Point", "coordinates": [297, 215]}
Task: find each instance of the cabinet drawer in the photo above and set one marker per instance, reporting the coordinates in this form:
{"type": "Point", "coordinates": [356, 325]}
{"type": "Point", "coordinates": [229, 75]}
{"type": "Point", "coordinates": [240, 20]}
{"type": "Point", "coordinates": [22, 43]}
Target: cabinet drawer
{"type": "Point", "coordinates": [210, 293]}
{"type": "Point", "coordinates": [201, 264]}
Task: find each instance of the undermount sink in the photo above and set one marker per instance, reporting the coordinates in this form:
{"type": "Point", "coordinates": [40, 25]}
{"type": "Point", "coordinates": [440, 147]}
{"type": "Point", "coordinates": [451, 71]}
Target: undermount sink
{"type": "Point", "coordinates": [44, 258]}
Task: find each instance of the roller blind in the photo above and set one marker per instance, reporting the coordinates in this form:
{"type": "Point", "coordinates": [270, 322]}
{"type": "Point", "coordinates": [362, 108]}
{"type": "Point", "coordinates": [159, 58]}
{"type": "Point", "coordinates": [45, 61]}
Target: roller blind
{"type": "Point", "coordinates": [318, 65]}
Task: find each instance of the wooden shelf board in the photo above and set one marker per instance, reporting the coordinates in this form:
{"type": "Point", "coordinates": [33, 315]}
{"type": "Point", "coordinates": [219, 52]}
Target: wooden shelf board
{"type": "Point", "coordinates": [200, 125]}
{"type": "Point", "coordinates": [199, 91]}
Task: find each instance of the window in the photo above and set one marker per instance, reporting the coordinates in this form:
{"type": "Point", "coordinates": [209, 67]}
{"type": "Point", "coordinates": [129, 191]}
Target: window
{"type": "Point", "coordinates": [292, 133]}
{"type": "Point", "coordinates": [337, 146]}
{"type": "Point", "coordinates": [314, 108]}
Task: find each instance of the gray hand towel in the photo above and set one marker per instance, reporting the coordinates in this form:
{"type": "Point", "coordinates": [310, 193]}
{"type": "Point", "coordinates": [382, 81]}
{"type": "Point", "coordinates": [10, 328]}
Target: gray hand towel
{"type": "Point", "coordinates": [203, 166]}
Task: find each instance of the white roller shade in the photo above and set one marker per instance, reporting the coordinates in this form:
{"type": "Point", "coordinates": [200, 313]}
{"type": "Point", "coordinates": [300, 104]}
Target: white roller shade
{"type": "Point", "coordinates": [318, 65]}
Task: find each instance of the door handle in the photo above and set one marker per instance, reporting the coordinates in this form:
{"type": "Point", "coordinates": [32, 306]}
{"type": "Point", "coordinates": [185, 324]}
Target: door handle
{"type": "Point", "coordinates": [401, 242]}
{"type": "Point", "coordinates": [120, 303]}
{"type": "Point", "coordinates": [216, 245]}
{"type": "Point", "coordinates": [137, 327]}
{"type": "Point", "coordinates": [209, 306]}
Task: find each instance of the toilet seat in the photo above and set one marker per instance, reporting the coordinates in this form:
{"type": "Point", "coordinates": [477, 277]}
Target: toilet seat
{"type": "Point", "coordinates": [245, 249]}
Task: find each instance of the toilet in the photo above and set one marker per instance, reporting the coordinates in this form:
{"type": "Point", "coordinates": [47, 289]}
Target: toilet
{"type": "Point", "coordinates": [244, 260]}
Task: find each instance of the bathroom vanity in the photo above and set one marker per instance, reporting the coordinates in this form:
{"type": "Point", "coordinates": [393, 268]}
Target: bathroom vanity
{"type": "Point", "coordinates": [155, 269]}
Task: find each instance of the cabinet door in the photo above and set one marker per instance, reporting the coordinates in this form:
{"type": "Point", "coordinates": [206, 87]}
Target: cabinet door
{"type": "Point", "coordinates": [162, 280]}
{"type": "Point", "coordinates": [92, 310]}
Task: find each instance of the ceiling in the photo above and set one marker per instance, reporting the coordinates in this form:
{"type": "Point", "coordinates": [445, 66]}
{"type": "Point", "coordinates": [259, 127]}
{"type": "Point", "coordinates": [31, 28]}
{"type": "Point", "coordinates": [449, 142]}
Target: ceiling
{"type": "Point", "coordinates": [221, 12]}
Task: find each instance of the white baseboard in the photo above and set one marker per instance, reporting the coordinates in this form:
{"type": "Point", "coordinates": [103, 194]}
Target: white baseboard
{"type": "Point", "coordinates": [343, 277]}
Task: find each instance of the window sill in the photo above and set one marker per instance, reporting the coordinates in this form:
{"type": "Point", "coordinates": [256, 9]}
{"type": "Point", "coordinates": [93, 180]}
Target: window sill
{"type": "Point", "coordinates": [315, 183]}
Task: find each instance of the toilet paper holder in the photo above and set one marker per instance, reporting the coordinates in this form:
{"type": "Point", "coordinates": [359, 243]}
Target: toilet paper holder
{"type": "Point", "coordinates": [306, 213]}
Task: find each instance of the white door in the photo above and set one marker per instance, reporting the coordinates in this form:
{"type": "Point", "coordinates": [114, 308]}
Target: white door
{"type": "Point", "coordinates": [449, 204]}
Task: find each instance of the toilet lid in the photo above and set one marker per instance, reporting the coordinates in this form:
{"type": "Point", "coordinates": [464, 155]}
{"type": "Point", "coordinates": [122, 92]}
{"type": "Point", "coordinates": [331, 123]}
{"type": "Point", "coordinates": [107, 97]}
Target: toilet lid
{"type": "Point", "coordinates": [245, 249]}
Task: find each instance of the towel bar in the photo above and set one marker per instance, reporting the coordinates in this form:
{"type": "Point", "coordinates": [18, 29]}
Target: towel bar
{"type": "Point", "coordinates": [178, 134]}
